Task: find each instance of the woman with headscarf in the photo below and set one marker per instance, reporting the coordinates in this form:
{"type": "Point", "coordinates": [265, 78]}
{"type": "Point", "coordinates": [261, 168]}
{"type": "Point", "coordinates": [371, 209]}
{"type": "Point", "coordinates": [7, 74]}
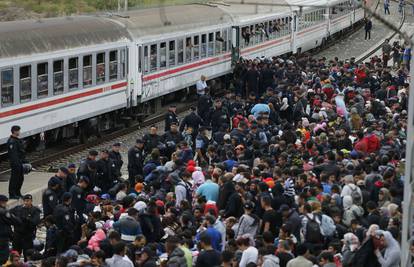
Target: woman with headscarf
{"type": "Point", "coordinates": [392, 251]}
{"type": "Point", "coordinates": [349, 250]}
{"type": "Point", "coordinates": [351, 211]}
{"type": "Point", "coordinates": [384, 198]}
{"type": "Point", "coordinates": [365, 255]}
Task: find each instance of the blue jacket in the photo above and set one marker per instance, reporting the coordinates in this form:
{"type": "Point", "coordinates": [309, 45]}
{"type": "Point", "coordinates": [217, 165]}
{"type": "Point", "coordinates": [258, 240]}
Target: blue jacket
{"type": "Point", "coordinates": [215, 236]}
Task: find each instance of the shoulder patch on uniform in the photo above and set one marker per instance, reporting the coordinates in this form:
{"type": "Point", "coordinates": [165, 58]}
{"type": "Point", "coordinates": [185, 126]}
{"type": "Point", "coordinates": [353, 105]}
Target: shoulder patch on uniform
{"type": "Point", "coordinates": [11, 146]}
{"type": "Point", "coordinates": [67, 217]}
{"type": "Point", "coordinates": [8, 214]}
{"type": "Point", "coordinates": [50, 198]}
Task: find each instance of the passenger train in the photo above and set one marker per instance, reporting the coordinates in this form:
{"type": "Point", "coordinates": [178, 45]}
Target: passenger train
{"type": "Point", "coordinates": [62, 76]}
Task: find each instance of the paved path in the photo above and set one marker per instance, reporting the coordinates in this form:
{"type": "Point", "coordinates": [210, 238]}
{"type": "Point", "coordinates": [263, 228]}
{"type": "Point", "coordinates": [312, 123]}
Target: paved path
{"type": "Point", "coordinates": [355, 44]}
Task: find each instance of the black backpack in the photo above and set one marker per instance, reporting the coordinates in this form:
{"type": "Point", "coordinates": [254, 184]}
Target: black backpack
{"type": "Point", "coordinates": [313, 230]}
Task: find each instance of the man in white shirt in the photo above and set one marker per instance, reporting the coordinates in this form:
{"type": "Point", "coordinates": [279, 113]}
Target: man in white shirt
{"type": "Point", "coordinates": [201, 85]}
{"type": "Point", "coordinates": [119, 259]}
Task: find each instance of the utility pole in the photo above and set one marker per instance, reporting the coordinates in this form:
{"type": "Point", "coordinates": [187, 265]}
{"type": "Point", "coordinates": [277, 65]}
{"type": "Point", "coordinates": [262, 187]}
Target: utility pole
{"type": "Point", "coordinates": [119, 6]}
{"type": "Point", "coordinates": [126, 5]}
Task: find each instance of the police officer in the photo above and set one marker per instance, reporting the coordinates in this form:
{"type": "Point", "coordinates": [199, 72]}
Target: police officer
{"type": "Point", "coordinates": [50, 197]}
{"type": "Point", "coordinates": [152, 139]}
{"type": "Point", "coordinates": [65, 220]}
{"type": "Point", "coordinates": [205, 102]}
{"type": "Point", "coordinates": [7, 219]}
{"type": "Point", "coordinates": [71, 177]}
{"type": "Point", "coordinates": [171, 117]}
{"type": "Point", "coordinates": [105, 172]}
{"type": "Point", "coordinates": [25, 232]}
{"type": "Point", "coordinates": [79, 195]}
{"type": "Point", "coordinates": [136, 158]}
{"type": "Point", "coordinates": [192, 120]}
{"type": "Point", "coordinates": [116, 158]}
{"type": "Point", "coordinates": [87, 168]}
{"type": "Point", "coordinates": [172, 138]}
{"type": "Point", "coordinates": [218, 116]}
{"type": "Point", "coordinates": [16, 155]}
{"type": "Point", "coordinates": [62, 175]}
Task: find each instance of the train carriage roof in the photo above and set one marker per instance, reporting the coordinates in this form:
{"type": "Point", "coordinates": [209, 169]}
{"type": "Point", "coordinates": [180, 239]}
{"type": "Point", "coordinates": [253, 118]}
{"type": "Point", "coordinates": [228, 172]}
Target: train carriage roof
{"type": "Point", "coordinates": [41, 36]}
{"type": "Point", "coordinates": [18, 38]}
{"type": "Point", "coordinates": [162, 20]}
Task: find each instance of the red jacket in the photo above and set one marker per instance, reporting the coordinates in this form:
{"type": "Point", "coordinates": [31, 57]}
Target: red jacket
{"type": "Point", "coordinates": [361, 146]}
{"type": "Point", "coordinates": [373, 143]}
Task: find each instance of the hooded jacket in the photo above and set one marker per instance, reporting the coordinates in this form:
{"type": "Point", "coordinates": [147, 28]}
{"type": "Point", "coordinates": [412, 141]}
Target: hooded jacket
{"type": "Point", "coordinates": [351, 211]}
{"type": "Point", "coordinates": [177, 258]}
{"type": "Point", "coordinates": [270, 261]}
{"type": "Point", "coordinates": [392, 253]}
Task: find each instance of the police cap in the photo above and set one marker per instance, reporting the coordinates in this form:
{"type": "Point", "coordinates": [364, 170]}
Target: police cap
{"type": "Point", "coordinates": [27, 197]}
{"type": "Point", "coordinates": [3, 198]}
{"type": "Point", "coordinates": [64, 170]}
{"type": "Point", "coordinates": [66, 196]}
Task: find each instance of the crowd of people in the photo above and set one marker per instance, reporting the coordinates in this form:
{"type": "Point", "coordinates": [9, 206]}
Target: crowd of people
{"type": "Point", "coordinates": [300, 163]}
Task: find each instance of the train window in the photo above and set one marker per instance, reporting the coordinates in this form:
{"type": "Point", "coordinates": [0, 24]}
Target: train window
{"type": "Point", "coordinates": [7, 87]}
{"type": "Point", "coordinates": [100, 68]}
{"type": "Point", "coordinates": [146, 65]}
{"type": "Point", "coordinates": [171, 57]}
{"type": "Point", "coordinates": [25, 83]}
{"type": "Point", "coordinates": [73, 73]}
{"type": "Point", "coordinates": [57, 77]}
{"type": "Point", "coordinates": [113, 65]}
{"type": "Point", "coordinates": [153, 57]}
{"type": "Point", "coordinates": [196, 47]}
{"type": "Point", "coordinates": [123, 66]}
{"type": "Point", "coordinates": [180, 48]}
{"type": "Point", "coordinates": [225, 42]}
{"type": "Point", "coordinates": [188, 48]}
{"type": "Point", "coordinates": [210, 49]}
{"type": "Point", "coordinates": [42, 80]}
{"type": "Point", "coordinates": [87, 70]}
{"type": "Point", "coordinates": [219, 42]}
{"type": "Point", "coordinates": [203, 45]}
{"type": "Point", "coordinates": [163, 55]}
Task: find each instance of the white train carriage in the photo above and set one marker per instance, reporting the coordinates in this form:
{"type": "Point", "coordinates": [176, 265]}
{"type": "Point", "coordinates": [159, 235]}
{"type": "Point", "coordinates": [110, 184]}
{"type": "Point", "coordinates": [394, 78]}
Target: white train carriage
{"type": "Point", "coordinates": [63, 76]}
{"type": "Point", "coordinates": [59, 71]}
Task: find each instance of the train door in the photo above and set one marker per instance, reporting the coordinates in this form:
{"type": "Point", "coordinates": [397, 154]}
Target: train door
{"type": "Point", "coordinates": [294, 27]}
{"type": "Point", "coordinates": [235, 44]}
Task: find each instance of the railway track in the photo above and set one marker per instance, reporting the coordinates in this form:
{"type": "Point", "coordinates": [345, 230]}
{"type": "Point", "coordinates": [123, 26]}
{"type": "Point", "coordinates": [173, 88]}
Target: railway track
{"type": "Point", "coordinates": [51, 158]}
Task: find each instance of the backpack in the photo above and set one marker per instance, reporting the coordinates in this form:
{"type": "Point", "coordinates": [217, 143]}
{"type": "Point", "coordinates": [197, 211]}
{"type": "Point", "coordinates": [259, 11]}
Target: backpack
{"type": "Point", "coordinates": [328, 227]}
{"type": "Point", "coordinates": [189, 193]}
{"type": "Point", "coordinates": [313, 230]}
{"type": "Point", "coordinates": [356, 196]}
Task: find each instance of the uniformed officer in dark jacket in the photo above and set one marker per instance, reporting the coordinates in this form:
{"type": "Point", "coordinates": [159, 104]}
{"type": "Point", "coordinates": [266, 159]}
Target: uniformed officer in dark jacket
{"type": "Point", "coordinates": [7, 219]}
{"type": "Point", "coordinates": [16, 156]}
{"type": "Point", "coordinates": [116, 158]}
{"type": "Point", "coordinates": [87, 168]}
{"type": "Point", "coordinates": [62, 174]}
{"type": "Point", "coordinates": [172, 138]}
{"type": "Point", "coordinates": [218, 116]}
{"type": "Point", "coordinates": [105, 172]}
{"type": "Point", "coordinates": [71, 179]}
{"type": "Point", "coordinates": [25, 232]}
{"type": "Point", "coordinates": [65, 220]}
{"type": "Point", "coordinates": [152, 139]}
{"type": "Point", "coordinates": [79, 195]}
{"type": "Point", "coordinates": [191, 120]}
{"type": "Point", "coordinates": [205, 102]}
{"type": "Point", "coordinates": [136, 158]}
{"type": "Point", "coordinates": [171, 117]}
{"type": "Point", "coordinates": [50, 197]}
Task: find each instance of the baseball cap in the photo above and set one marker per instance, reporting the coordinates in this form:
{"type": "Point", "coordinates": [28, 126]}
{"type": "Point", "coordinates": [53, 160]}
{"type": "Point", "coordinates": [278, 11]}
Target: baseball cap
{"type": "Point", "coordinates": [71, 165]}
{"type": "Point", "coordinates": [139, 141]}
{"type": "Point", "coordinates": [54, 181]}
